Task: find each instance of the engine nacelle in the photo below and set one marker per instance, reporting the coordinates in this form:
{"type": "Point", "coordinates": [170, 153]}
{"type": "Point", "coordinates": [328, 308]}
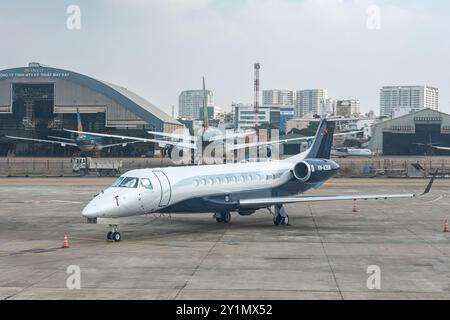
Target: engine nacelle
{"type": "Point", "coordinates": [315, 170]}
{"type": "Point", "coordinates": [166, 151]}
{"type": "Point", "coordinates": [172, 152]}
{"type": "Point", "coordinates": [176, 153]}
{"type": "Point", "coordinates": [302, 171]}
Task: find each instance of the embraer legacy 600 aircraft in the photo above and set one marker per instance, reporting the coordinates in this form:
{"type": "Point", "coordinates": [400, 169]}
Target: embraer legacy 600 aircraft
{"type": "Point", "coordinates": [225, 188]}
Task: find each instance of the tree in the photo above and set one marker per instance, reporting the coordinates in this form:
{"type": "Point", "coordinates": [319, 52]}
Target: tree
{"type": "Point", "coordinates": [309, 131]}
{"type": "Point", "coordinates": [269, 127]}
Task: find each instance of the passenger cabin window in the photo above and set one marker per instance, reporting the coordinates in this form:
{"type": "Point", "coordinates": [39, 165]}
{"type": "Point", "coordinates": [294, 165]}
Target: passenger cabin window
{"type": "Point", "coordinates": [129, 182]}
{"type": "Point", "coordinates": [145, 183]}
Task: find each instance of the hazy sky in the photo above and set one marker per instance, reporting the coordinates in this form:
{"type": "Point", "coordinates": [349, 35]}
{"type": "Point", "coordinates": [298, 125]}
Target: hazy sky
{"type": "Point", "coordinates": [159, 48]}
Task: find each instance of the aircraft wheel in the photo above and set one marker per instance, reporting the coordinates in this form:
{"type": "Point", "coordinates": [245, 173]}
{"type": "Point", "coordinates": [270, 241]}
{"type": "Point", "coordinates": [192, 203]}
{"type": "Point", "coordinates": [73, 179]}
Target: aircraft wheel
{"type": "Point", "coordinates": [226, 217]}
{"type": "Point", "coordinates": [116, 236]}
{"type": "Point", "coordinates": [278, 220]}
{"type": "Point", "coordinates": [223, 217]}
{"type": "Point", "coordinates": [109, 235]}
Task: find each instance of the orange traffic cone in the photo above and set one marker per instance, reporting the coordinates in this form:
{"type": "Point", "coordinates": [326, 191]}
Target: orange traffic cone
{"type": "Point", "coordinates": [355, 209]}
{"type": "Point", "coordinates": [66, 242]}
{"type": "Point", "coordinates": [446, 225]}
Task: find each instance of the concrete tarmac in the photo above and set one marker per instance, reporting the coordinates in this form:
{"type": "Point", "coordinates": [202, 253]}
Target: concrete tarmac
{"type": "Point", "coordinates": [324, 254]}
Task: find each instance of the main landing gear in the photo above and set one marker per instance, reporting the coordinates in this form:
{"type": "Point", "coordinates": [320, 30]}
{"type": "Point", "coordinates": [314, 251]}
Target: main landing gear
{"type": "Point", "coordinates": [223, 217]}
{"type": "Point", "coordinates": [280, 216]}
{"type": "Point", "coordinates": [114, 235]}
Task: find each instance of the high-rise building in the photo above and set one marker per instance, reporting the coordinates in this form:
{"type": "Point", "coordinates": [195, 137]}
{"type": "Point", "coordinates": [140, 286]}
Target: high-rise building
{"type": "Point", "coordinates": [328, 107]}
{"type": "Point", "coordinates": [411, 98]}
{"type": "Point", "coordinates": [286, 112]}
{"type": "Point", "coordinates": [278, 97]}
{"type": "Point", "coordinates": [245, 116]}
{"type": "Point", "coordinates": [348, 108]}
{"type": "Point", "coordinates": [310, 101]}
{"type": "Point", "coordinates": [190, 103]}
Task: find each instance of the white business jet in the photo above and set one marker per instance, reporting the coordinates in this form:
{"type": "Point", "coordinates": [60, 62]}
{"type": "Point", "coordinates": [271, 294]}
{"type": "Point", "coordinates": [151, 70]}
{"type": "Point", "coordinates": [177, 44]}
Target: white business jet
{"type": "Point", "coordinates": [225, 188]}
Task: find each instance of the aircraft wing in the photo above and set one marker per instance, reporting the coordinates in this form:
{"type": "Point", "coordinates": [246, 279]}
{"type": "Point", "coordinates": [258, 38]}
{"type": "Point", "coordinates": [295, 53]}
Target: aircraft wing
{"type": "Point", "coordinates": [346, 133]}
{"type": "Point", "coordinates": [265, 143]}
{"type": "Point", "coordinates": [441, 148]}
{"type": "Point", "coordinates": [231, 136]}
{"type": "Point", "coordinates": [272, 201]}
{"type": "Point", "coordinates": [183, 145]}
{"type": "Point", "coordinates": [123, 144]}
{"type": "Point", "coordinates": [265, 202]}
{"type": "Point", "coordinates": [174, 135]}
{"type": "Point", "coordinates": [61, 138]}
{"type": "Point", "coordinates": [61, 143]}
{"type": "Point", "coordinates": [257, 144]}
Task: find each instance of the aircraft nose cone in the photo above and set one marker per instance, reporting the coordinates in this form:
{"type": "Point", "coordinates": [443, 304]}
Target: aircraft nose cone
{"type": "Point", "coordinates": [90, 211]}
{"type": "Point", "coordinates": [104, 205]}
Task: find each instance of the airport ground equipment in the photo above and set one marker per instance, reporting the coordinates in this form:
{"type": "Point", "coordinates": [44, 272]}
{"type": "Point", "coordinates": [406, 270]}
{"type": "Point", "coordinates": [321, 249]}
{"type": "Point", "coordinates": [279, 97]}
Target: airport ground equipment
{"type": "Point", "coordinates": [102, 167]}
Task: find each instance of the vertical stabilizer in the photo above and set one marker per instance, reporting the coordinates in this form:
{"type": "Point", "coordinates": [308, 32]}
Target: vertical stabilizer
{"type": "Point", "coordinates": [321, 148]}
{"type": "Point", "coordinates": [80, 126]}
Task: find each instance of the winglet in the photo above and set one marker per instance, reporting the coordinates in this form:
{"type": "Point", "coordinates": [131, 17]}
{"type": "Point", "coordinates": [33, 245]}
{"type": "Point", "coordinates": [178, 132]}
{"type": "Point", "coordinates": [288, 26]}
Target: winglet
{"type": "Point", "coordinates": [428, 188]}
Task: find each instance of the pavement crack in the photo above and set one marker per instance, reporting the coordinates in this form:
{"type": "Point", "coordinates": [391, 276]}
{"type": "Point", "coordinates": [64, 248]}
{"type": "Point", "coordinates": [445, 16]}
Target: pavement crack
{"type": "Point", "coordinates": [201, 262]}
{"type": "Point", "coordinates": [325, 252]}
{"type": "Point", "coordinates": [31, 285]}
{"type": "Point", "coordinates": [427, 242]}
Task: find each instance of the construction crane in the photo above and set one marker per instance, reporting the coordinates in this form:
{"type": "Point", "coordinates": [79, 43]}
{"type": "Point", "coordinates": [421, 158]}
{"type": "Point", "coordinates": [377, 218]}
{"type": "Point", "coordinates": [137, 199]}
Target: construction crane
{"type": "Point", "coordinates": [205, 107]}
{"type": "Point", "coordinates": [257, 66]}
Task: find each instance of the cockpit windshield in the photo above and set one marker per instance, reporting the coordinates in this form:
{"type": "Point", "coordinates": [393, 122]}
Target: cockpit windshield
{"type": "Point", "coordinates": [117, 182]}
{"type": "Point", "coordinates": [126, 182]}
{"type": "Point", "coordinates": [129, 182]}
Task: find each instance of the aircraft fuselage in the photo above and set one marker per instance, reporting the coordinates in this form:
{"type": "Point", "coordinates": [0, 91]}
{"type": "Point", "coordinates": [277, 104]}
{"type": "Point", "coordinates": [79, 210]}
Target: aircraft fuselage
{"type": "Point", "coordinates": [212, 188]}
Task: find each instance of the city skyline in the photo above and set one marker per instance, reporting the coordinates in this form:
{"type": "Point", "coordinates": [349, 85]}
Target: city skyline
{"type": "Point", "coordinates": [159, 49]}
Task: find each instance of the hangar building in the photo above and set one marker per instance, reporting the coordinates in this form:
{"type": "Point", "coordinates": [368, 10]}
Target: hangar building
{"type": "Point", "coordinates": [412, 134]}
{"type": "Point", "coordinates": [39, 101]}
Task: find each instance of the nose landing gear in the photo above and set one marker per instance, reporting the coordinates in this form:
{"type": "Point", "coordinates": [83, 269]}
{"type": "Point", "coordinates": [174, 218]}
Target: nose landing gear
{"type": "Point", "coordinates": [114, 235]}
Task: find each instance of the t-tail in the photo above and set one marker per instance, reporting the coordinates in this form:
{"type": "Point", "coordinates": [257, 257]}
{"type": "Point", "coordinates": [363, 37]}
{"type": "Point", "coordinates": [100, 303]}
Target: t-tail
{"type": "Point", "coordinates": [321, 148]}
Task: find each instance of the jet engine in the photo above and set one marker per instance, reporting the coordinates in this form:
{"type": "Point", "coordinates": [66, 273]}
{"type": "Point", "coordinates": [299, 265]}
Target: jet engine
{"type": "Point", "coordinates": [302, 171]}
{"type": "Point", "coordinates": [314, 170]}
{"type": "Point", "coordinates": [172, 151]}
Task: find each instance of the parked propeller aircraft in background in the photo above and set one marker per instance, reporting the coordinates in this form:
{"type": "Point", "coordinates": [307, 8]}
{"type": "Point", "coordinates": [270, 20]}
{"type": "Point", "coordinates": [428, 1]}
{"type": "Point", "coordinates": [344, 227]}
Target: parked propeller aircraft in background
{"type": "Point", "coordinates": [87, 143]}
{"type": "Point", "coordinates": [225, 188]}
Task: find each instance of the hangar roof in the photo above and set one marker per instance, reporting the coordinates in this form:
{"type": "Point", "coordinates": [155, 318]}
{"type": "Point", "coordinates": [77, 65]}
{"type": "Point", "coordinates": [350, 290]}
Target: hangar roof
{"type": "Point", "coordinates": [143, 103]}
{"type": "Point", "coordinates": [410, 118]}
{"type": "Point", "coordinates": [131, 101]}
